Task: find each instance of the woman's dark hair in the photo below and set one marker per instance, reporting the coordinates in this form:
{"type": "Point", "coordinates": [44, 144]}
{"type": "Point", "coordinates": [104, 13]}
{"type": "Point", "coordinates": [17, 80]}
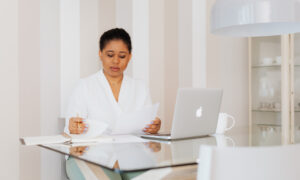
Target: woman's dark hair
{"type": "Point", "coordinates": [115, 34]}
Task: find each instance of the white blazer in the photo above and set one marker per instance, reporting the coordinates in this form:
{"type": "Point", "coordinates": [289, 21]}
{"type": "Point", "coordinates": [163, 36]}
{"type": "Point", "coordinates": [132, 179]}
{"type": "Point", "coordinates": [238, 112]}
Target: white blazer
{"type": "Point", "coordinates": [93, 100]}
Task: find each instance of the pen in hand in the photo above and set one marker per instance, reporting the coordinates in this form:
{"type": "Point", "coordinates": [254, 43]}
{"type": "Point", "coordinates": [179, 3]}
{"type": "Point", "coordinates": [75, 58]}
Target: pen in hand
{"type": "Point", "coordinates": [77, 125]}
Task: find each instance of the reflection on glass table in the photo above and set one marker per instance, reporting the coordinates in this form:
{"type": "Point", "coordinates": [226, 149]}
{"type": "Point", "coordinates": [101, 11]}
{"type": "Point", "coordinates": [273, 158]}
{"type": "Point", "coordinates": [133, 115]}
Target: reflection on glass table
{"type": "Point", "coordinates": [128, 157]}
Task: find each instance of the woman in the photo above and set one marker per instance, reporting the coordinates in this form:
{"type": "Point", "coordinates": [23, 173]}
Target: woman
{"type": "Point", "coordinates": [99, 99]}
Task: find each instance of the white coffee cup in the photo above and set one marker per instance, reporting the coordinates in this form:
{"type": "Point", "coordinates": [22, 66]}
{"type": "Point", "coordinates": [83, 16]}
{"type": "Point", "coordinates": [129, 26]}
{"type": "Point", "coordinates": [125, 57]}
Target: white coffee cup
{"type": "Point", "coordinates": [223, 123]}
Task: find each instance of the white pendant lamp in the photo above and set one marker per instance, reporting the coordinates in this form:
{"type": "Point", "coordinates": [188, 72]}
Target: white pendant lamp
{"type": "Point", "coordinates": [250, 18]}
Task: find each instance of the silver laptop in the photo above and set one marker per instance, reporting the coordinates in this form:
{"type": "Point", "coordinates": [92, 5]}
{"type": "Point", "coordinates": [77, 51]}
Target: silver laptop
{"type": "Point", "coordinates": [196, 114]}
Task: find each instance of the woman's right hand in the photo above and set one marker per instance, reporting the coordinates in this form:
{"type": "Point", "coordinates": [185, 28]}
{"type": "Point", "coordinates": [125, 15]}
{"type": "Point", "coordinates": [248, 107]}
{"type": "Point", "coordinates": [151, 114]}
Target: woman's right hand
{"type": "Point", "coordinates": [77, 125]}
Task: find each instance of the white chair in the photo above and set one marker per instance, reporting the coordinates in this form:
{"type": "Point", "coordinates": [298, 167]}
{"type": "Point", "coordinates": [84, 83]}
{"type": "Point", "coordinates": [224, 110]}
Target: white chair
{"type": "Point", "coordinates": [249, 163]}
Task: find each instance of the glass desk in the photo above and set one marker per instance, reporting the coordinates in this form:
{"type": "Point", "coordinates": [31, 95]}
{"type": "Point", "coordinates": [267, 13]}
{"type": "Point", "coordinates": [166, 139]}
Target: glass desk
{"type": "Point", "coordinates": [122, 158]}
{"type": "Point", "coordinates": [137, 156]}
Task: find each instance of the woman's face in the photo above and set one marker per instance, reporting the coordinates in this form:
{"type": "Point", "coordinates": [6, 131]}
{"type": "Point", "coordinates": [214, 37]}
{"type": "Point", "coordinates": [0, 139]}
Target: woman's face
{"type": "Point", "coordinates": [115, 58]}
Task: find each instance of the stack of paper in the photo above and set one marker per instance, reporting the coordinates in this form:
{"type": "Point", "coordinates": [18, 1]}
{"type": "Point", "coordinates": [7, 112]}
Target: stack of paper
{"type": "Point", "coordinates": [135, 122]}
{"type": "Point", "coordinates": [63, 139]}
{"type": "Point", "coordinates": [76, 140]}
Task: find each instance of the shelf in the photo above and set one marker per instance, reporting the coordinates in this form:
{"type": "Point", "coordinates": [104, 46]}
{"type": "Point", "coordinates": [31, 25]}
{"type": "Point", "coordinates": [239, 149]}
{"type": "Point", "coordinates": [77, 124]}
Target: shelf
{"type": "Point", "coordinates": [270, 66]}
{"type": "Point", "coordinates": [270, 71]}
{"type": "Point", "coordinates": [270, 110]}
{"type": "Point", "coordinates": [266, 66]}
{"type": "Point", "coordinates": [269, 125]}
{"type": "Point", "coordinates": [274, 125]}
{"type": "Point", "coordinates": [266, 110]}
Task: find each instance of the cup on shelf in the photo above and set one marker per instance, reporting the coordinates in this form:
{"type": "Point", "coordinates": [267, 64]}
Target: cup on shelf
{"type": "Point", "coordinates": [277, 60]}
{"type": "Point", "coordinates": [267, 61]}
{"type": "Point", "coordinates": [269, 106]}
{"type": "Point", "coordinates": [263, 106]}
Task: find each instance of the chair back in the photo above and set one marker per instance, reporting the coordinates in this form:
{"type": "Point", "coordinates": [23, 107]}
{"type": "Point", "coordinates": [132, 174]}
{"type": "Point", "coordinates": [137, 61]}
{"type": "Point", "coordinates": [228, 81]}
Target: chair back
{"type": "Point", "coordinates": [249, 163]}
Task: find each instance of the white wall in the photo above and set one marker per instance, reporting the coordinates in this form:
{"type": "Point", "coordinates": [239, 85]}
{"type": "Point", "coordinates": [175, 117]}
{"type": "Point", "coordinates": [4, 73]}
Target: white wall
{"type": "Point", "coordinates": [89, 35]}
{"type": "Point", "coordinates": [107, 15]}
{"type": "Point", "coordinates": [9, 91]}
{"type": "Point", "coordinates": [29, 84]}
{"type": "Point", "coordinates": [70, 48]}
{"type": "Point", "coordinates": [51, 163]}
{"type": "Point", "coordinates": [157, 54]}
{"type": "Point", "coordinates": [200, 59]}
{"type": "Point", "coordinates": [123, 15]}
{"type": "Point", "coordinates": [199, 47]}
{"type": "Point", "coordinates": [171, 65]}
{"type": "Point", "coordinates": [39, 72]}
{"type": "Point", "coordinates": [140, 39]}
{"type": "Point", "coordinates": [192, 43]}
{"type": "Point", "coordinates": [227, 68]}
{"type": "Point", "coordinates": [185, 48]}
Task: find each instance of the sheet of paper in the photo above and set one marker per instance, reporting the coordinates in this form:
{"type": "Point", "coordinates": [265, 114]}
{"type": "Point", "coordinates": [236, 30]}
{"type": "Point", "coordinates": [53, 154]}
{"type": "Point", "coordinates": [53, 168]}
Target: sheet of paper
{"type": "Point", "coordinates": [77, 140]}
{"type": "Point", "coordinates": [44, 140]}
{"type": "Point", "coordinates": [135, 122]}
{"type": "Point", "coordinates": [56, 139]}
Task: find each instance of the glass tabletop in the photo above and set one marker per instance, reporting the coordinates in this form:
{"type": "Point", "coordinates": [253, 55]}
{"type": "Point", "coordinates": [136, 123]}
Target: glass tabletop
{"type": "Point", "coordinates": [153, 154]}
{"type": "Point", "coordinates": [128, 157]}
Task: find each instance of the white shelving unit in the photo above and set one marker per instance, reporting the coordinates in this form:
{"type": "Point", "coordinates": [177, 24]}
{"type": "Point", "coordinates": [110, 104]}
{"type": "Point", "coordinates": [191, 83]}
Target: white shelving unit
{"type": "Point", "coordinates": [274, 86]}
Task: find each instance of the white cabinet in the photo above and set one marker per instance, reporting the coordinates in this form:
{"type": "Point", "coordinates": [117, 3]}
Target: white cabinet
{"type": "Point", "coordinates": [274, 88]}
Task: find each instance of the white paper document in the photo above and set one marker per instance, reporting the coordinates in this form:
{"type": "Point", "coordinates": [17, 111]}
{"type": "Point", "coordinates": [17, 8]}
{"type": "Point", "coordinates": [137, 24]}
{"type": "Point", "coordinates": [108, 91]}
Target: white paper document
{"type": "Point", "coordinates": [135, 122]}
{"type": "Point", "coordinates": [76, 140]}
{"type": "Point", "coordinates": [63, 139]}
{"type": "Point", "coordinates": [44, 140]}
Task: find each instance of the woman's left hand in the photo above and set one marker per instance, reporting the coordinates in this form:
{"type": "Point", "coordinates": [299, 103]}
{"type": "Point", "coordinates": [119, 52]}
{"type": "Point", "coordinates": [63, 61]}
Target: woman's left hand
{"type": "Point", "coordinates": [154, 127]}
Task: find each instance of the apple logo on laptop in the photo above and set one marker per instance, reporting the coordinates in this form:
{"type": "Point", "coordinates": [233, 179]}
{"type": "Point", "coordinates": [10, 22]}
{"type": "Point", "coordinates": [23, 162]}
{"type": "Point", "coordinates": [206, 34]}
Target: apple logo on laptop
{"type": "Point", "coordinates": [199, 112]}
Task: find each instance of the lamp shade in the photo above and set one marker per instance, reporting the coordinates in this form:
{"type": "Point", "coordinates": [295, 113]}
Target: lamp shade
{"type": "Point", "coordinates": [250, 18]}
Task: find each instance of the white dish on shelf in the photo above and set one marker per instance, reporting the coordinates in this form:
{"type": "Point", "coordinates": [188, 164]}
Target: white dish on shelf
{"type": "Point", "coordinates": [277, 60]}
{"type": "Point", "coordinates": [267, 61]}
